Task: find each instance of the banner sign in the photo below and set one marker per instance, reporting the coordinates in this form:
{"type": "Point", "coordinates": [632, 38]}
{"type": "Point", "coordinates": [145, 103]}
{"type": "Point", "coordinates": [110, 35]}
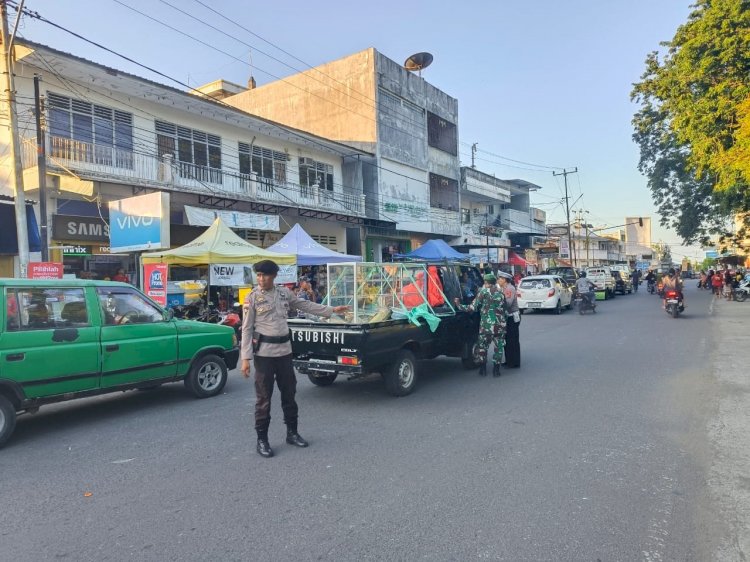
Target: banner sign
{"type": "Point", "coordinates": [44, 270]}
{"type": "Point", "coordinates": [80, 229]}
{"type": "Point", "coordinates": [564, 249]}
{"type": "Point", "coordinates": [197, 216]}
{"type": "Point", "coordinates": [230, 275]}
{"type": "Point", "coordinates": [139, 223]}
{"type": "Point", "coordinates": [287, 274]}
{"type": "Point", "coordinates": [155, 282]}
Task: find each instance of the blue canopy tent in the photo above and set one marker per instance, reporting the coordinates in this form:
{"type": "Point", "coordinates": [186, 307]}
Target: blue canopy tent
{"type": "Point", "coordinates": [435, 250]}
{"type": "Point", "coordinates": [307, 250]}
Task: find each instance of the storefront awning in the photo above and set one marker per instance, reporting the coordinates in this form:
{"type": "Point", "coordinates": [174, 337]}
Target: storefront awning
{"type": "Point", "coordinates": [8, 236]}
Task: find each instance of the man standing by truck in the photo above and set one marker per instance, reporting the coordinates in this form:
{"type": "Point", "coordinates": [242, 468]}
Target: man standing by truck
{"type": "Point", "coordinates": [490, 302]}
{"type": "Point", "coordinates": [265, 338]}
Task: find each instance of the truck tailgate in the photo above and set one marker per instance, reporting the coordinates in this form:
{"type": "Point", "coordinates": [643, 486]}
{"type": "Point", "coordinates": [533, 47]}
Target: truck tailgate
{"type": "Point", "coordinates": [319, 347]}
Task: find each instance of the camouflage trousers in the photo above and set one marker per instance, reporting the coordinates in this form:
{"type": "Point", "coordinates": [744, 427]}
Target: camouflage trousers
{"type": "Point", "coordinates": [483, 345]}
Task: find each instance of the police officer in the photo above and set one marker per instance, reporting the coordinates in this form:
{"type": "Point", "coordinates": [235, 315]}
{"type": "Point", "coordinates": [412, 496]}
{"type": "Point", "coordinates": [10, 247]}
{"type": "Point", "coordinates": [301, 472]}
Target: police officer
{"type": "Point", "coordinates": [490, 302]}
{"type": "Point", "coordinates": [512, 334]}
{"type": "Point", "coordinates": [265, 339]}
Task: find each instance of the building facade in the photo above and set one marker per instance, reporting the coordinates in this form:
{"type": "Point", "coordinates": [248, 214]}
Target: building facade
{"type": "Point", "coordinates": [371, 103]}
{"type": "Point", "coordinates": [111, 135]}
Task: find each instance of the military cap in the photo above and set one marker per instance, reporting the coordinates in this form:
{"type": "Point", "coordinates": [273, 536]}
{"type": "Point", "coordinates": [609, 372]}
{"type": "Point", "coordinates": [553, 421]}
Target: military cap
{"type": "Point", "coordinates": [490, 278]}
{"type": "Point", "coordinates": [266, 267]}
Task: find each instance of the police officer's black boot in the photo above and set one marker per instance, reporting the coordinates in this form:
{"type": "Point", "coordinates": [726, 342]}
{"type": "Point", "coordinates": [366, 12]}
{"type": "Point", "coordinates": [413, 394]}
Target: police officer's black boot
{"type": "Point", "coordinates": [294, 438]}
{"type": "Point", "coordinates": [264, 448]}
{"type": "Point", "coordinates": [496, 370]}
{"type": "Point", "coordinates": [483, 370]}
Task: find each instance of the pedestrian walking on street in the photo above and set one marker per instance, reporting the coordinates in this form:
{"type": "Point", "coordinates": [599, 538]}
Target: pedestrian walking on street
{"type": "Point", "coordinates": [512, 329]}
{"type": "Point", "coordinates": [266, 342]}
{"type": "Point", "coordinates": [490, 302]}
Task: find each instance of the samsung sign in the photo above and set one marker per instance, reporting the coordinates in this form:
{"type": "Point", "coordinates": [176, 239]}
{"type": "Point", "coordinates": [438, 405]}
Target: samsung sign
{"type": "Point", "coordinates": [139, 223]}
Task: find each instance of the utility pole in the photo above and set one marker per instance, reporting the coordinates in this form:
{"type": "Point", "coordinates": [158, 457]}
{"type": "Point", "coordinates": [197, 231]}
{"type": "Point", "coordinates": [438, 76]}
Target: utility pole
{"type": "Point", "coordinates": [564, 174]}
{"type": "Point", "coordinates": [473, 154]}
{"type": "Point", "coordinates": [15, 145]}
{"type": "Point", "coordinates": [42, 165]}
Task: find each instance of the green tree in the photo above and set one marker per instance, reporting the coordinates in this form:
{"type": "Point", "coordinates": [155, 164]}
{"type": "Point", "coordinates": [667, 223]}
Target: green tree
{"type": "Point", "coordinates": [693, 125]}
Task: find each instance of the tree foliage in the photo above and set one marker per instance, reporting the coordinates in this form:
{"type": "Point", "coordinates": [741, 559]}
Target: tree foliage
{"type": "Point", "coordinates": [693, 125]}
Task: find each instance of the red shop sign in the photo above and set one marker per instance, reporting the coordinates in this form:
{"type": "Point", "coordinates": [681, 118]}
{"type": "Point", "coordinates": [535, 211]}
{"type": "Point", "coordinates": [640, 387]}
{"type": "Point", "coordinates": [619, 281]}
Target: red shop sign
{"type": "Point", "coordinates": [44, 270]}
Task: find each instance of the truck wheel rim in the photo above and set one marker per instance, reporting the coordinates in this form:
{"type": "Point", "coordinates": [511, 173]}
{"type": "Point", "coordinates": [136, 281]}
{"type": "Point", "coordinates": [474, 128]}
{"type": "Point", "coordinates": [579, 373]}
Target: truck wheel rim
{"type": "Point", "coordinates": [405, 374]}
{"type": "Point", "coordinates": [209, 376]}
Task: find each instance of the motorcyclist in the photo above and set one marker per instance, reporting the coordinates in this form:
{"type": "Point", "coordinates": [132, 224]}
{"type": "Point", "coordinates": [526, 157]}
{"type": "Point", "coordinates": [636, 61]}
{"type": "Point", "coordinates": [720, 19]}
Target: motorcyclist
{"type": "Point", "coordinates": [650, 278]}
{"type": "Point", "coordinates": [672, 282]}
{"type": "Point", "coordinates": [585, 288]}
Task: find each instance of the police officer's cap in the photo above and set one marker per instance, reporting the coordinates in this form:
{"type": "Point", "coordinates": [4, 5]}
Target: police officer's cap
{"type": "Point", "coordinates": [504, 275]}
{"type": "Point", "coordinates": [266, 267]}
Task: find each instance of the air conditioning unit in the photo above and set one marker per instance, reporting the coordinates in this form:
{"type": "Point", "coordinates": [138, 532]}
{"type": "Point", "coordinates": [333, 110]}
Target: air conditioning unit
{"type": "Point", "coordinates": [305, 161]}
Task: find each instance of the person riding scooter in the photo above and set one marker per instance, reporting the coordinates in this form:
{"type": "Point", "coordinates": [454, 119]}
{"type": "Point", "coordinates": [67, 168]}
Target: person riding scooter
{"type": "Point", "coordinates": [650, 281]}
{"type": "Point", "coordinates": [586, 289]}
{"type": "Point", "coordinates": [672, 282]}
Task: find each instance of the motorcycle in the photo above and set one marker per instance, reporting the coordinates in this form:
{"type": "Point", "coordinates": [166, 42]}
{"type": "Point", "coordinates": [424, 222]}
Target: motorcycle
{"type": "Point", "coordinates": [586, 302]}
{"type": "Point", "coordinates": [673, 303]}
{"type": "Point", "coordinates": [233, 319]}
{"type": "Point", "coordinates": [660, 289]}
{"type": "Point", "coordinates": [742, 292]}
{"type": "Point", "coordinates": [651, 287]}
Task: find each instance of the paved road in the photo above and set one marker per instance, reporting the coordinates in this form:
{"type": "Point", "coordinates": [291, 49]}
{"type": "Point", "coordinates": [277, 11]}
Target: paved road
{"type": "Point", "coordinates": [595, 449]}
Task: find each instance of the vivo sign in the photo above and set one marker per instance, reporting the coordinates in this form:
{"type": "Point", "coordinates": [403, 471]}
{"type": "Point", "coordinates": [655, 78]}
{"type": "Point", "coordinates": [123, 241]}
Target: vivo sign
{"type": "Point", "coordinates": [139, 223]}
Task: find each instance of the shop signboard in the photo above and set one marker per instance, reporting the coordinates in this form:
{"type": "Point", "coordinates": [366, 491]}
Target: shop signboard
{"type": "Point", "coordinates": [44, 270]}
{"type": "Point", "coordinates": [712, 254]}
{"type": "Point", "coordinates": [83, 229]}
{"type": "Point", "coordinates": [139, 223]}
{"type": "Point", "coordinates": [230, 275]}
{"type": "Point", "coordinates": [564, 249]}
{"type": "Point", "coordinates": [197, 216]}
{"type": "Point", "coordinates": [155, 282]}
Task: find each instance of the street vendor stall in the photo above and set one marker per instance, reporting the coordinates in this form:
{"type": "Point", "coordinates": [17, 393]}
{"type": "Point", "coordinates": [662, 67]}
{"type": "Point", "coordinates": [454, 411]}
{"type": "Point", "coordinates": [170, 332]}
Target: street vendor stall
{"type": "Point", "coordinates": [307, 251]}
{"type": "Point", "coordinates": [228, 256]}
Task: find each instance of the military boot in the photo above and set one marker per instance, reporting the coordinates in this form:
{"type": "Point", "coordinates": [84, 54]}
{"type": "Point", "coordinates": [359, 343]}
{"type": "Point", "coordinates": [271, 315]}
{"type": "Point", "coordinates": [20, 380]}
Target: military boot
{"type": "Point", "coordinates": [496, 370]}
{"type": "Point", "coordinates": [483, 370]}
{"type": "Point", "coordinates": [294, 438]}
{"type": "Point", "coordinates": [263, 447]}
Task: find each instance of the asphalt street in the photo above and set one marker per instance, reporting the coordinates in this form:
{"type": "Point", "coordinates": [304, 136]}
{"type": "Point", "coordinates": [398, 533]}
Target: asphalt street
{"type": "Point", "coordinates": [595, 449]}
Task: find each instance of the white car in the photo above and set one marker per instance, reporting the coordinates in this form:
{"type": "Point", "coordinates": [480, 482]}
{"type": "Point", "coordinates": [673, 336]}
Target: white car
{"type": "Point", "coordinates": [544, 292]}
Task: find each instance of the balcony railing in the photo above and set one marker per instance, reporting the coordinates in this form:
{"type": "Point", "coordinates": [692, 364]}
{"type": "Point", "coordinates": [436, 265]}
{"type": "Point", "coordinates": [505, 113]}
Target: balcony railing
{"type": "Point", "coordinates": [108, 163]}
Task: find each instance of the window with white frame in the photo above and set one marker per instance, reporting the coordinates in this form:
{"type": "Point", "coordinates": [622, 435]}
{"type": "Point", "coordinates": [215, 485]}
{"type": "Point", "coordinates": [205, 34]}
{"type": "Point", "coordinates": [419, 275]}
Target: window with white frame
{"type": "Point", "coordinates": [314, 173]}
{"type": "Point", "coordinates": [264, 162]}
{"type": "Point", "coordinates": [82, 131]}
{"type": "Point", "coordinates": [197, 154]}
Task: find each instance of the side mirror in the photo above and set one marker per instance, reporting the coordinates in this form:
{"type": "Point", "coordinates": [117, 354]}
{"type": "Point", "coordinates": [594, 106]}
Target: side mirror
{"type": "Point", "coordinates": [169, 315]}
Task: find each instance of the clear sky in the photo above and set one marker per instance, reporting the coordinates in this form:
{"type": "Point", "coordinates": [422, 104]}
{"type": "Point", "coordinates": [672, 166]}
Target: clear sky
{"type": "Point", "coordinates": [544, 82]}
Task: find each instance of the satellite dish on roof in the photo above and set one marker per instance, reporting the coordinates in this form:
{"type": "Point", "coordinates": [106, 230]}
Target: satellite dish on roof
{"type": "Point", "coordinates": [417, 62]}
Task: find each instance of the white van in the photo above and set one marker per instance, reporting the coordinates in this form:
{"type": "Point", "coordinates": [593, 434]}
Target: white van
{"type": "Point", "coordinates": [625, 273]}
{"type": "Point", "coordinates": [601, 276]}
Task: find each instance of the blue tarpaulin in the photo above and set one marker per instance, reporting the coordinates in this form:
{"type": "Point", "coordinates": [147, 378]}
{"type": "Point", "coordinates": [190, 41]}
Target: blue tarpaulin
{"type": "Point", "coordinates": [435, 250]}
{"type": "Point", "coordinates": [8, 237]}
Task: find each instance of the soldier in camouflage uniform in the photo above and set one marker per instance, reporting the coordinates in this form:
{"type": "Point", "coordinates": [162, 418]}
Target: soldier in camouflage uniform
{"type": "Point", "coordinates": [490, 302]}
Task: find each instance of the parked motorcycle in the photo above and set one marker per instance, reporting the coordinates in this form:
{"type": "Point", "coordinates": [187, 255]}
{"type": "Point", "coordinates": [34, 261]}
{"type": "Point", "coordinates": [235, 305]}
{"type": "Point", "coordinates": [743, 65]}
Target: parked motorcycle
{"type": "Point", "coordinates": [673, 303]}
{"type": "Point", "coordinates": [233, 319]}
{"type": "Point", "coordinates": [742, 292]}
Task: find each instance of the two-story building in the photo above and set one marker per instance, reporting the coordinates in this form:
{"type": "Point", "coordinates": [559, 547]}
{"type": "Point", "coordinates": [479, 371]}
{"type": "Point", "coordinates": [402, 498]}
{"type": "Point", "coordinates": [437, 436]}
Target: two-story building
{"type": "Point", "coordinates": [111, 135]}
{"type": "Point", "coordinates": [497, 219]}
{"type": "Point", "coordinates": [371, 103]}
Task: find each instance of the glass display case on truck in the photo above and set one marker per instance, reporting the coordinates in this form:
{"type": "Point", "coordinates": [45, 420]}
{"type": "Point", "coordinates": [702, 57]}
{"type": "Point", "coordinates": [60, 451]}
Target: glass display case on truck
{"type": "Point", "coordinates": [376, 292]}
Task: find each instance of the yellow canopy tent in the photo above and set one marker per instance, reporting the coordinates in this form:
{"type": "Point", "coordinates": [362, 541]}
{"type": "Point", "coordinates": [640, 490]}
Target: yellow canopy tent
{"type": "Point", "coordinates": [217, 245]}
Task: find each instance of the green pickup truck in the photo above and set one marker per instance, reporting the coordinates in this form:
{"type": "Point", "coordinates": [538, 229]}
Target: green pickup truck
{"type": "Point", "coordinates": [61, 340]}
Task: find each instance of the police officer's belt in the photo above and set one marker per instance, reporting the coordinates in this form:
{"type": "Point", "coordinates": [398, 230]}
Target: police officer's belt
{"type": "Point", "coordinates": [262, 338]}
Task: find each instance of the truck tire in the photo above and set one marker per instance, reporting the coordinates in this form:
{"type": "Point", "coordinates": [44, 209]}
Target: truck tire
{"type": "Point", "coordinates": [207, 376]}
{"type": "Point", "coordinates": [401, 377]}
{"type": "Point", "coordinates": [7, 419]}
{"type": "Point", "coordinates": [469, 359]}
{"type": "Point", "coordinates": [322, 380]}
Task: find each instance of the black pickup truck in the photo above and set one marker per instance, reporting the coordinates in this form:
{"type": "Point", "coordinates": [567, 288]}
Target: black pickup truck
{"type": "Point", "coordinates": [393, 347]}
